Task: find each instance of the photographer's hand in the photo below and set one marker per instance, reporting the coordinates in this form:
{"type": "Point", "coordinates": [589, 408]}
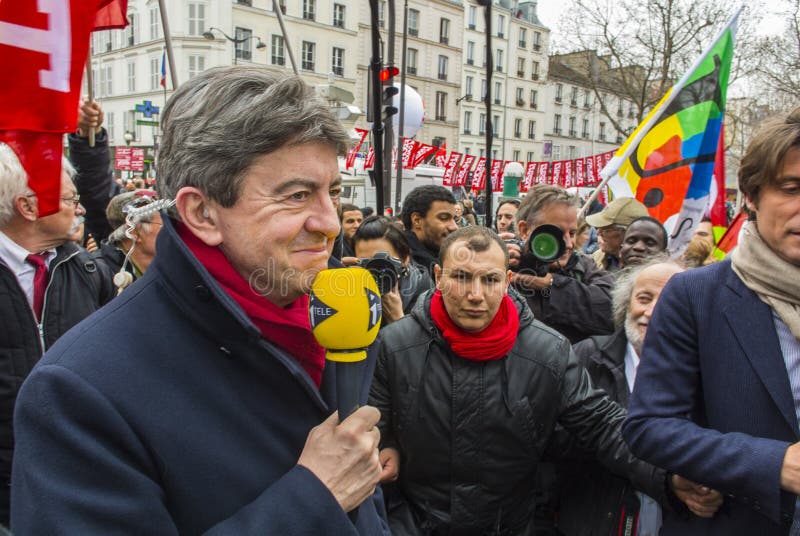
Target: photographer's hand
{"type": "Point", "coordinates": [392, 305]}
{"type": "Point", "coordinates": [532, 282]}
{"type": "Point", "coordinates": [514, 251]}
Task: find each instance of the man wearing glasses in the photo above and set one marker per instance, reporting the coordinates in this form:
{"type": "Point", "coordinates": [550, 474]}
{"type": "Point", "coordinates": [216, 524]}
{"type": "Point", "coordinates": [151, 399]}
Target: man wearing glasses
{"type": "Point", "coordinates": [47, 285]}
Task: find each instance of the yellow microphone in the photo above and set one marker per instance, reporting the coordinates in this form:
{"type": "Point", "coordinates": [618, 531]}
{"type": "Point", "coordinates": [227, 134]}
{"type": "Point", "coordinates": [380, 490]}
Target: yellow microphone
{"type": "Point", "coordinates": [345, 313]}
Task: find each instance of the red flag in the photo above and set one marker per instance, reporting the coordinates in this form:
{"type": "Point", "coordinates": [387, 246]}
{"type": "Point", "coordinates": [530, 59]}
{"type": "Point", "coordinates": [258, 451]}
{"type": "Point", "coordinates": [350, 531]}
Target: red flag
{"type": "Point", "coordinates": [541, 173]}
{"type": "Point", "coordinates": [370, 161]}
{"type": "Point", "coordinates": [497, 168]}
{"type": "Point", "coordinates": [479, 176]}
{"type": "Point", "coordinates": [409, 147]}
{"type": "Point", "coordinates": [463, 173]}
{"type": "Point", "coordinates": [568, 173]}
{"type": "Point", "coordinates": [450, 167]}
{"type": "Point", "coordinates": [351, 154]}
{"type": "Point", "coordinates": [42, 56]}
{"type": "Point", "coordinates": [112, 15]}
{"type": "Point", "coordinates": [599, 163]}
{"type": "Point", "coordinates": [423, 151]}
{"type": "Point", "coordinates": [529, 177]}
{"type": "Point", "coordinates": [718, 214]}
{"type": "Point", "coordinates": [591, 178]}
{"type": "Point", "coordinates": [441, 155]}
{"type": "Point", "coordinates": [731, 236]}
{"type": "Point", "coordinates": [558, 169]}
{"type": "Point", "coordinates": [580, 178]}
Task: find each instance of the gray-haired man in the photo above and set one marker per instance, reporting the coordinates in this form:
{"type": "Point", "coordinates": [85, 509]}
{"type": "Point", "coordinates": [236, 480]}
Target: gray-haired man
{"type": "Point", "coordinates": [200, 402]}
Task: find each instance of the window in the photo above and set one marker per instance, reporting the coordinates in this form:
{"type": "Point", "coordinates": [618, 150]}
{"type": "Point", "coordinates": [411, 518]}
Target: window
{"type": "Point", "coordinates": [516, 155]}
{"type": "Point", "coordinates": [338, 15]}
{"type": "Point", "coordinates": [587, 99]}
{"type": "Point", "coordinates": [530, 156]}
{"type": "Point", "coordinates": [467, 122]}
{"type": "Point", "coordinates": [535, 70]}
{"type": "Point", "coordinates": [495, 125]}
{"type": "Point", "coordinates": [619, 108]}
{"type": "Point", "coordinates": [245, 2]}
{"type": "Point", "coordinates": [471, 17]}
{"type": "Point", "coordinates": [602, 135]}
{"type": "Point", "coordinates": [483, 89]}
{"type": "Point", "coordinates": [106, 82]}
{"type": "Point", "coordinates": [95, 87]}
{"type": "Point", "coordinates": [308, 9]}
{"type": "Point", "coordinates": [197, 19]}
{"type": "Point", "coordinates": [585, 130]}
{"type": "Point", "coordinates": [537, 41]}
{"type": "Point", "coordinates": [411, 61]}
{"type": "Point", "coordinates": [155, 23]}
{"type": "Point", "coordinates": [572, 130]}
{"type": "Point", "coordinates": [468, 86]}
{"type": "Point", "coordinates": [573, 100]}
{"type": "Point", "coordinates": [571, 152]}
{"type": "Point", "coordinates": [442, 67]}
{"type": "Point", "coordinates": [467, 150]}
{"type": "Point", "coordinates": [110, 125]}
{"type": "Point", "coordinates": [470, 53]}
{"type": "Point", "coordinates": [441, 106]}
{"type": "Point", "coordinates": [481, 152]}
{"type": "Point", "coordinates": [132, 31]}
{"type": "Point", "coordinates": [517, 128]}
{"type": "Point", "coordinates": [499, 65]}
{"type": "Point", "coordinates": [531, 130]}
{"type": "Point", "coordinates": [337, 61]}
{"type": "Point", "coordinates": [413, 22]}
{"type": "Point", "coordinates": [243, 47]}
{"type": "Point", "coordinates": [155, 73]}
{"type": "Point", "coordinates": [498, 90]}
{"type": "Point", "coordinates": [277, 57]}
{"type": "Point", "coordinates": [559, 92]}
{"type": "Point", "coordinates": [444, 31]}
{"type": "Point", "coordinates": [521, 67]}
{"type": "Point", "coordinates": [556, 152]}
{"type": "Point", "coordinates": [482, 126]}
{"type": "Point", "coordinates": [557, 124]}
{"type": "Point", "coordinates": [520, 100]}
{"type": "Point", "coordinates": [197, 64]}
{"type": "Point", "coordinates": [501, 24]}
{"type": "Point", "coordinates": [131, 76]}
{"type": "Point", "coordinates": [534, 99]}
{"type": "Point", "coordinates": [523, 37]}
{"type": "Point", "coordinates": [308, 56]}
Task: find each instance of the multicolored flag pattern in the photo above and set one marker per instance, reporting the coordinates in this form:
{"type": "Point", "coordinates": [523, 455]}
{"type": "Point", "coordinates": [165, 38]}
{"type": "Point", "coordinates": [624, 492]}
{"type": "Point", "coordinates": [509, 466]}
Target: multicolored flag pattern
{"type": "Point", "coordinates": [667, 162]}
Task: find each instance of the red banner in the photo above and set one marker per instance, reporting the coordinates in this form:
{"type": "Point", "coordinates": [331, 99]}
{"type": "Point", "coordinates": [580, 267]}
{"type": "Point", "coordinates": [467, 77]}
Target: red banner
{"type": "Point", "coordinates": [42, 56]}
{"type": "Point", "coordinates": [558, 166]}
{"type": "Point", "coordinates": [580, 177]}
{"type": "Point", "coordinates": [496, 171]}
{"type": "Point", "coordinates": [129, 158]}
{"type": "Point", "coordinates": [441, 155]}
{"type": "Point", "coordinates": [529, 177]}
{"type": "Point", "coordinates": [451, 167]}
{"type": "Point", "coordinates": [599, 162]}
{"type": "Point", "coordinates": [591, 176]}
{"type": "Point", "coordinates": [541, 173]}
{"type": "Point", "coordinates": [351, 154]}
{"type": "Point", "coordinates": [423, 151]}
{"type": "Point", "coordinates": [479, 176]}
{"type": "Point", "coordinates": [568, 173]}
{"type": "Point", "coordinates": [112, 15]}
{"type": "Point", "coordinates": [463, 173]}
{"type": "Point", "coordinates": [370, 161]}
{"type": "Point", "coordinates": [409, 148]}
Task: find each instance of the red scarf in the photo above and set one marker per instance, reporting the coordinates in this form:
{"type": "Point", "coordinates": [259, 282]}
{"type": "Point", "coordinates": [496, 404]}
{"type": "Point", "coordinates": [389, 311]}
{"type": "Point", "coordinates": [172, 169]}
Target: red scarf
{"type": "Point", "coordinates": [287, 327]}
{"type": "Point", "coordinates": [492, 342]}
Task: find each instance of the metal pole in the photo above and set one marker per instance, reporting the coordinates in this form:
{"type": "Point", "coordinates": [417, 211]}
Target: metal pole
{"type": "Point", "coordinates": [278, 13]}
{"type": "Point", "coordinates": [173, 72]}
{"type": "Point", "coordinates": [398, 187]}
{"type": "Point", "coordinates": [488, 105]}
{"type": "Point", "coordinates": [388, 127]}
{"type": "Point", "coordinates": [375, 106]}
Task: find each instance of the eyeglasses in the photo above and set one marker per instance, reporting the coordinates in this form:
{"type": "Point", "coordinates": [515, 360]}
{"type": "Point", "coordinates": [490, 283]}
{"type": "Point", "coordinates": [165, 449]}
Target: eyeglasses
{"type": "Point", "coordinates": [75, 200]}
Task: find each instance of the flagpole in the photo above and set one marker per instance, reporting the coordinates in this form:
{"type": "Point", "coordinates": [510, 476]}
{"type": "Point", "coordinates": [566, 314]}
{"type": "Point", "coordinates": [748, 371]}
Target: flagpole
{"type": "Point", "coordinates": [173, 72]}
{"type": "Point", "coordinates": [651, 119]}
{"type": "Point", "coordinates": [90, 92]}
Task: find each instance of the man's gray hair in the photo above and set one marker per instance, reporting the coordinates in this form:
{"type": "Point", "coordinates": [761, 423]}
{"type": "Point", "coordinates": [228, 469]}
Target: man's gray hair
{"type": "Point", "coordinates": [541, 196]}
{"type": "Point", "coordinates": [626, 279]}
{"type": "Point", "coordinates": [13, 182]}
{"type": "Point", "coordinates": [216, 124]}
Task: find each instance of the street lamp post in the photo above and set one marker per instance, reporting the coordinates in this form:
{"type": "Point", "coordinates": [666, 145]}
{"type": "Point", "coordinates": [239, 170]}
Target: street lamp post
{"type": "Point", "coordinates": [128, 137]}
{"type": "Point", "coordinates": [209, 34]}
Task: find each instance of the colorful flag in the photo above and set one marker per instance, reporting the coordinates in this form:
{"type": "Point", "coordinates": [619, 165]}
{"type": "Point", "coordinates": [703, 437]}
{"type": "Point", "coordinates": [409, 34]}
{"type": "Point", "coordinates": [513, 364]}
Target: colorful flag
{"type": "Point", "coordinates": [667, 162]}
{"type": "Point", "coordinates": [369, 163]}
{"type": "Point", "coordinates": [729, 240]}
{"type": "Point", "coordinates": [43, 50]}
{"type": "Point", "coordinates": [580, 177]}
{"type": "Point", "coordinates": [541, 173]}
{"type": "Point", "coordinates": [422, 152]}
{"type": "Point", "coordinates": [163, 81]}
{"type": "Point", "coordinates": [409, 148]}
{"type": "Point", "coordinates": [441, 155]}
{"type": "Point", "coordinates": [568, 173]}
{"type": "Point", "coordinates": [558, 166]}
{"type": "Point", "coordinates": [529, 177]}
{"type": "Point", "coordinates": [497, 169]}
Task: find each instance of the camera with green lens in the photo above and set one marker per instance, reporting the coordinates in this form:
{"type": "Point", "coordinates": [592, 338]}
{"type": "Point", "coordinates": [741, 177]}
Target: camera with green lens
{"type": "Point", "coordinates": [544, 246]}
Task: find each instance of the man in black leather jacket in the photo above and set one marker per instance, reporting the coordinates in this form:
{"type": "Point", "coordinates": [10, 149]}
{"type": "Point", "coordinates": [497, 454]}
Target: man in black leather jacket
{"type": "Point", "coordinates": [76, 286]}
{"type": "Point", "coordinates": [470, 389]}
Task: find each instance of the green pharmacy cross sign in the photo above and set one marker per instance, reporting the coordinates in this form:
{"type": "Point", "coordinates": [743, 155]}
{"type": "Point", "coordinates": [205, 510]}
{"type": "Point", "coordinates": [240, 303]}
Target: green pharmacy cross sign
{"type": "Point", "coordinates": [148, 111]}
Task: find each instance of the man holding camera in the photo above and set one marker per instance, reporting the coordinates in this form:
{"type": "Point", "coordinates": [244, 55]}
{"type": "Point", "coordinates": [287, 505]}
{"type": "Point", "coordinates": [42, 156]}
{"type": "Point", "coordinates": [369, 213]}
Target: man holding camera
{"type": "Point", "coordinates": [572, 296]}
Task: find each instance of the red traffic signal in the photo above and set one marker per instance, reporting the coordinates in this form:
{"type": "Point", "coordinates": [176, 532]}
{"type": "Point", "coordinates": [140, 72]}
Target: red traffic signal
{"type": "Point", "coordinates": [388, 72]}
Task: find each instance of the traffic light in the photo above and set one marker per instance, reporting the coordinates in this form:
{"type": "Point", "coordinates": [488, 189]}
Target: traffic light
{"type": "Point", "coordinates": [388, 91]}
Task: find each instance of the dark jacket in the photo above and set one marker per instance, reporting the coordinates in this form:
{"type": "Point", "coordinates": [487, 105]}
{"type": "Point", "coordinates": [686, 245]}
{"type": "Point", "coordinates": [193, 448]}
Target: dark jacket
{"type": "Point", "coordinates": [578, 304]}
{"type": "Point", "coordinates": [472, 434]}
{"type": "Point", "coordinates": [420, 254]}
{"type": "Point", "coordinates": [93, 180]}
{"type": "Point", "coordinates": [412, 284]}
{"type": "Point", "coordinates": [591, 500]}
{"type": "Point", "coordinates": [713, 401]}
{"type": "Point", "coordinates": [78, 286]}
{"type": "Point", "coordinates": [167, 413]}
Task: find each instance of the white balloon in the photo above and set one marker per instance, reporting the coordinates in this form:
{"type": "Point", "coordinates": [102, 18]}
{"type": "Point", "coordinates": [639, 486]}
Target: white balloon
{"type": "Point", "coordinates": [413, 115]}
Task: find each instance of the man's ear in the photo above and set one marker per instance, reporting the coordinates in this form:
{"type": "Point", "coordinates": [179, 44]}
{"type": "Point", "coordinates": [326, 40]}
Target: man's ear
{"type": "Point", "coordinates": [750, 204]}
{"type": "Point", "coordinates": [199, 214]}
{"type": "Point", "coordinates": [27, 206]}
{"type": "Point", "coordinates": [509, 275]}
{"type": "Point", "coordinates": [416, 218]}
{"type": "Point", "coordinates": [437, 275]}
{"type": "Point", "coordinates": [523, 229]}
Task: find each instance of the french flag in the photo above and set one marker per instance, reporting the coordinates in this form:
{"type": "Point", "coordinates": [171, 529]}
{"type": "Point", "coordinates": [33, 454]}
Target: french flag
{"type": "Point", "coordinates": [163, 70]}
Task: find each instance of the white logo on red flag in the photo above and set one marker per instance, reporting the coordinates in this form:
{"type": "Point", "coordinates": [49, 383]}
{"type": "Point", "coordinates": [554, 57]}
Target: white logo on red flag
{"type": "Point", "coordinates": [409, 146]}
{"type": "Point", "coordinates": [463, 173]}
{"type": "Point", "coordinates": [450, 167]}
{"type": "Point", "coordinates": [530, 176]}
{"type": "Point", "coordinates": [479, 175]}
{"type": "Point", "coordinates": [568, 173]}
{"type": "Point", "coordinates": [370, 161]}
{"type": "Point", "coordinates": [423, 151]}
{"type": "Point", "coordinates": [557, 173]}
{"type": "Point", "coordinates": [580, 178]}
{"type": "Point", "coordinates": [541, 173]}
{"type": "Point", "coordinates": [497, 166]}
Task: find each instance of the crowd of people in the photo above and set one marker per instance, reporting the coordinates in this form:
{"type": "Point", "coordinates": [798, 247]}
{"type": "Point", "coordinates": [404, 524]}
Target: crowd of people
{"type": "Point", "coordinates": [168, 380]}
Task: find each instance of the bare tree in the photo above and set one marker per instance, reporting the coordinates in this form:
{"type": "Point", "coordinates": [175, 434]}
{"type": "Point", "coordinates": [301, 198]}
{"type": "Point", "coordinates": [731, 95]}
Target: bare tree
{"type": "Point", "coordinates": [775, 69]}
{"type": "Point", "coordinates": [643, 46]}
